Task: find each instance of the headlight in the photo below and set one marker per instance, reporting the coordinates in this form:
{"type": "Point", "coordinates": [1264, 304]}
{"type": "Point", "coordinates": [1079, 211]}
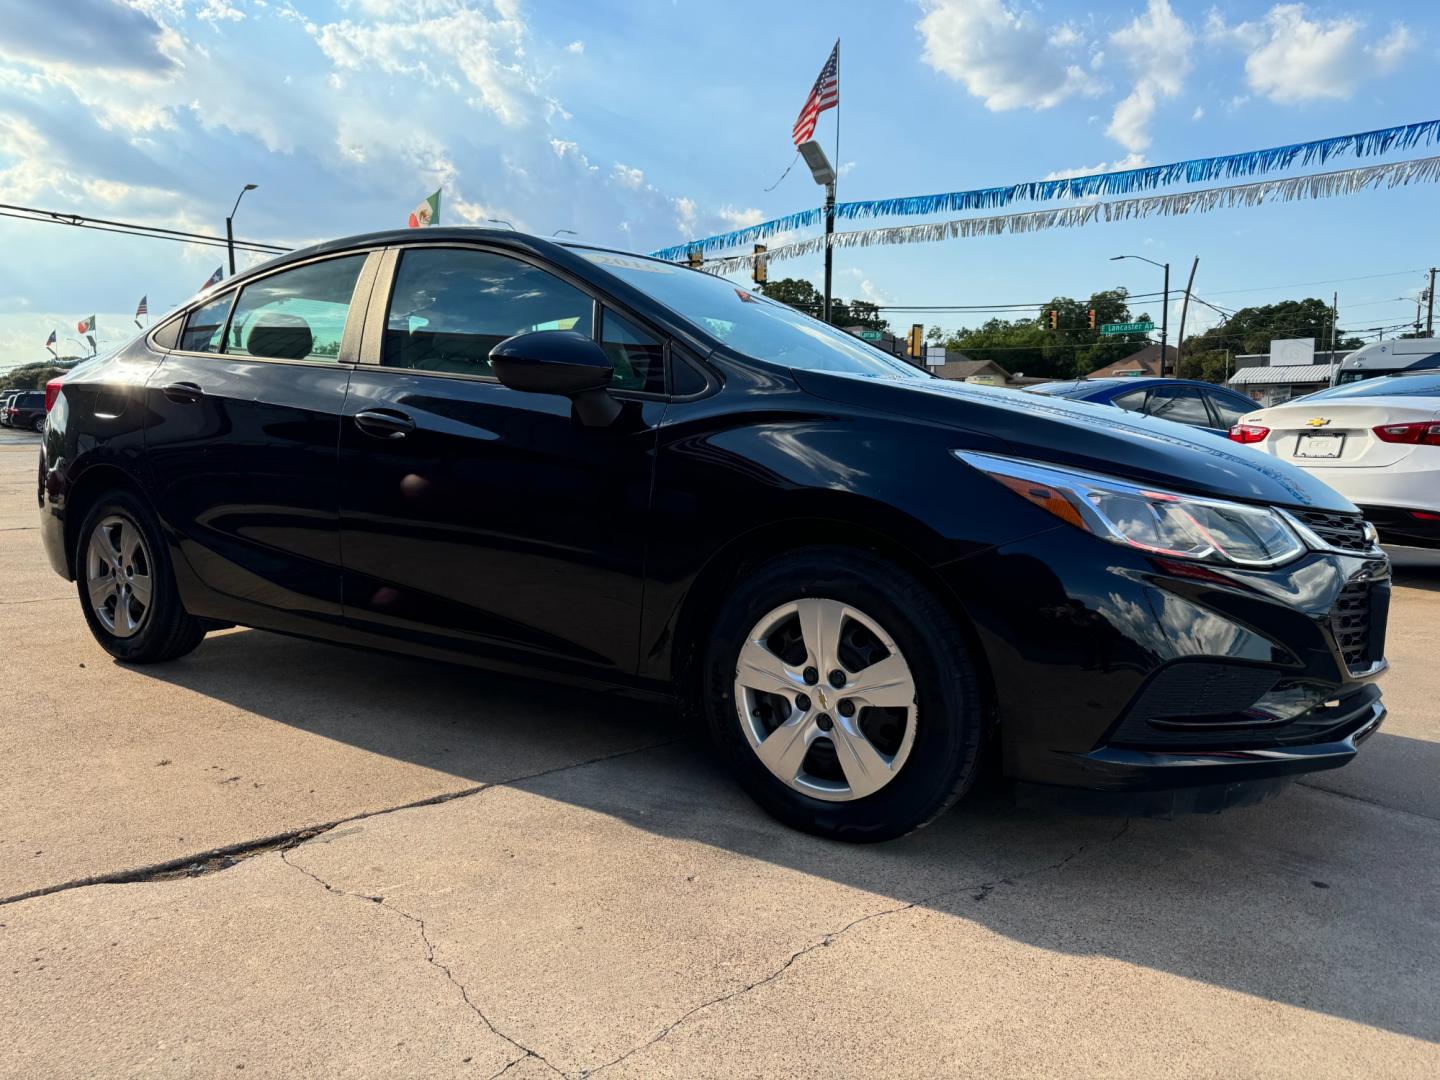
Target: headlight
{"type": "Point", "coordinates": [1162, 522]}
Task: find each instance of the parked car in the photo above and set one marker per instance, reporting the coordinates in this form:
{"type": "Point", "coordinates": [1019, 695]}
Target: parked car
{"type": "Point", "coordinates": [1183, 401]}
{"type": "Point", "coordinates": [26, 410]}
{"type": "Point", "coordinates": [486, 447]}
{"type": "Point", "coordinates": [6, 396]}
{"type": "Point", "coordinates": [1376, 441]}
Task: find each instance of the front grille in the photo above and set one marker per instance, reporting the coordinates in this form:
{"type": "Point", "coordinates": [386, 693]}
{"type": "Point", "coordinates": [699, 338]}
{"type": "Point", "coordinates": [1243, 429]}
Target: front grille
{"type": "Point", "coordinates": [1345, 532]}
{"type": "Point", "coordinates": [1353, 617]}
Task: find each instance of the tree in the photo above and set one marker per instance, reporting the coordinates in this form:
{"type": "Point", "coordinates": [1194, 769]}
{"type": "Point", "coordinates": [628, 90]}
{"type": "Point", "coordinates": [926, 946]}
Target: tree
{"type": "Point", "coordinates": [1070, 350]}
{"type": "Point", "coordinates": [35, 376]}
{"type": "Point", "coordinates": [1251, 329]}
{"type": "Point", "coordinates": [801, 294]}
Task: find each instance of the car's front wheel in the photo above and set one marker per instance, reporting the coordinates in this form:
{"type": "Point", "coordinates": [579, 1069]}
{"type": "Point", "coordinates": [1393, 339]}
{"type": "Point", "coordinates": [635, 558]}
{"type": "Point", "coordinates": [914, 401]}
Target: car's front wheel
{"type": "Point", "coordinates": [126, 588]}
{"type": "Point", "coordinates": [39, 424]}
{"type": "Point", "coordinates": [843, 694]}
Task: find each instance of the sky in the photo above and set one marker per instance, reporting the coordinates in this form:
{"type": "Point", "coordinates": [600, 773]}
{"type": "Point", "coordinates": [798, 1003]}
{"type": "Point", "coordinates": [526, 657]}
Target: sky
{"type": "Point", "coordinates": [642, 123]}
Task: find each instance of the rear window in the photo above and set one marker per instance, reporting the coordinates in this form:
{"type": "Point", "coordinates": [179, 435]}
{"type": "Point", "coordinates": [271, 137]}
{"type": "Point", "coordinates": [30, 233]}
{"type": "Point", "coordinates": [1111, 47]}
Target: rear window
{"type": "Point", "coordinates": [1065, 389]}
{"type": "Point", "coordinates": [1403, 385]}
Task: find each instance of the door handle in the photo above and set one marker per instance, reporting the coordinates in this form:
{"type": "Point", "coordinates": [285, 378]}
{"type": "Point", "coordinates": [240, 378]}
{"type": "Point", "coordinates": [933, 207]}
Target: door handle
{"type": "Point", "coordinates": [383, 424]}
{"type": "Point", "coordinates": [183, 393]}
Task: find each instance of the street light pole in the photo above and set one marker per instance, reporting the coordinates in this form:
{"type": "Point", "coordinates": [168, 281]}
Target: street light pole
{"type": "Point", "coordinates": [824, 174]}
{"type": "Point", "coordinates": [1430, 306]}
{"type": "Point", "coordinates": [230, 229]}
{"type": "Point", "coordinates": [1165, 312]}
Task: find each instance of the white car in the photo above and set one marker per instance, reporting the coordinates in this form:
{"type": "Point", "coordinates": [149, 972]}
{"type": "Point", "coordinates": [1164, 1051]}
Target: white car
{"type": "Point", "coordinates": [1377, 442]}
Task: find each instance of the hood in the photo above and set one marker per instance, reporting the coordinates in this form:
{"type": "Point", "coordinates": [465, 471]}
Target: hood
{"type": "Point", "coordinates": [1082, 435]}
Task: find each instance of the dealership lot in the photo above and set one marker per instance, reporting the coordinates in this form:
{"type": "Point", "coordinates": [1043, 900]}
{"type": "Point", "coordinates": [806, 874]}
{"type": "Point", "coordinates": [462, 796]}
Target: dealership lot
{"type": "Point", "coordinates": [295, 859]}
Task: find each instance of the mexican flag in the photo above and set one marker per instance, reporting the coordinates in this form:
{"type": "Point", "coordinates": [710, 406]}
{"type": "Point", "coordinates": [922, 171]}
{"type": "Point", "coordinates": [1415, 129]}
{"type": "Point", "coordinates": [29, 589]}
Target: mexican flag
{"type": "Point", "coordinates": [85, 326]}
{"type": "Point", "coordinates": [427, 213]}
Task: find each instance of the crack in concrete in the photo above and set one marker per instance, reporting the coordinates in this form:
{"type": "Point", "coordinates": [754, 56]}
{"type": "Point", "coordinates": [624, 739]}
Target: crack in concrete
{"type": "Point", "coordinates": [981, 889]}
{"type": "Point", "coordinates": [431, 959]}
{"type": "Point", "coordinates": [216, 859]}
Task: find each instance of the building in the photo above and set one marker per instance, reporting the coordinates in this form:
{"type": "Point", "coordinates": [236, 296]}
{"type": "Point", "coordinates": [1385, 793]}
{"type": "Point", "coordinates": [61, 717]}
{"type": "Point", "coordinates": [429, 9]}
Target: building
{"type": "Point", "coordinates": [1271, 380]}
{"type": "Point", "coordinates": [960, 367]}
{"type": "Point", "coordinates": [1142, 364]}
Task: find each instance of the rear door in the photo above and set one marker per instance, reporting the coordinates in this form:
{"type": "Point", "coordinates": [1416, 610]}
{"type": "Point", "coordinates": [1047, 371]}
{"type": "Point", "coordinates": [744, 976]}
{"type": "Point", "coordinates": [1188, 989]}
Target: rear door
{"type": "Point", "coordinates": [480, 519]}
{"type": "Point", "coordinates": [244, 422]}
{"type": "Point", "coordinates": [1180, 405]}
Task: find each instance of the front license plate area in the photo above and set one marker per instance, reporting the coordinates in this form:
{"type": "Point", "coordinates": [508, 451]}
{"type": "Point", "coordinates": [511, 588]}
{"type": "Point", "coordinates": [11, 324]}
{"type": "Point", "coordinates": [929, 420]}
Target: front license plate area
{"type": "Point", "coordinates": [1325, 445]}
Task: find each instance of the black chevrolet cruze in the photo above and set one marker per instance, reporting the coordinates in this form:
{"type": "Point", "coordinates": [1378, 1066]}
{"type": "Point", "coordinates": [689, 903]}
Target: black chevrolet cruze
{"type": "Point", "coordinates": [872, 584]}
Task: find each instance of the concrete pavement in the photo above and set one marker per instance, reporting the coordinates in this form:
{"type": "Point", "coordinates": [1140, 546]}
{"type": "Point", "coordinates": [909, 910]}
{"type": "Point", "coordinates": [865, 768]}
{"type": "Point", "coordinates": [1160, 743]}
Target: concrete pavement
{"type": "Point", "coordinates": [593, 895]}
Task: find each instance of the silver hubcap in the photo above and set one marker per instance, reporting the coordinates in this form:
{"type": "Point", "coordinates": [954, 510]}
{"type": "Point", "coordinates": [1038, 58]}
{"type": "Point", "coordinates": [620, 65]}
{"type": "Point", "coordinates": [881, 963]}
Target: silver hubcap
{"type": "Point", "coordinates": [118, 575]}
{"type": "Point", "coordinates": [826, 699]}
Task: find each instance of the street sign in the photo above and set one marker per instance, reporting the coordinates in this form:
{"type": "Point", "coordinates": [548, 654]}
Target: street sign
{"type": "Point", "coordinates": [1127, 327]}
{"type": "Point", "coordinates": [870, 335]}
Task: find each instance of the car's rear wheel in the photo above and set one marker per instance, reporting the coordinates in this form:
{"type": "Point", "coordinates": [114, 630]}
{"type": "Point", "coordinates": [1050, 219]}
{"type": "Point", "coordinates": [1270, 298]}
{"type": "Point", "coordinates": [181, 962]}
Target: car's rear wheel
{"type": "Point", "coordinates": [843, 694]}
{"type": "Point", "coordinates": [39, 424]}
{"type": "Point", "coordinates": [126, 587]}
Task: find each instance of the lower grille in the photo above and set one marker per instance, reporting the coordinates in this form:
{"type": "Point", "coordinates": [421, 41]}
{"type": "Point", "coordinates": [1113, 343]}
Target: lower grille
{"type": "Point", "coordinates": [1342, 531]}
{"type": "Point", "coordinates": [1353, 617]}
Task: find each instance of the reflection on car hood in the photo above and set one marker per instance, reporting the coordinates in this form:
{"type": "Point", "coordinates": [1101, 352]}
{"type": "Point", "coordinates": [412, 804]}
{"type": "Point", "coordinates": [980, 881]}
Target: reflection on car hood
{"type": "Point", "coordinates": [1083, 435]}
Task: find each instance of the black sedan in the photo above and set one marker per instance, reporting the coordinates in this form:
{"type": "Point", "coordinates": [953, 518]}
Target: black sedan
{"type": "Point", "coordinates": [871, 583]}
{"type": "Point", "coordinates": [25, 410]}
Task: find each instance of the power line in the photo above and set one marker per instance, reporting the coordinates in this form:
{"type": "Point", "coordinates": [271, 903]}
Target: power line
{"type": "Point", "coordinates": [130, 228]}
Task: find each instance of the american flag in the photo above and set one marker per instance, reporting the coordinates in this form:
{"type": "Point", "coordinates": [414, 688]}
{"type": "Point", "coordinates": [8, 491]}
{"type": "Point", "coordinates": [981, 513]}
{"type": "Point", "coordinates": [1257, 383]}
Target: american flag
{"type": "Point", "coordinates": [141, 309]}
{"type": "Point", "coordinates": [824, 95]}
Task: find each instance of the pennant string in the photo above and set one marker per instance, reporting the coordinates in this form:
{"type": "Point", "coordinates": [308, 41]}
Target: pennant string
{"type": "Point", "coordinates": [1287, 189]}
{"type": "Point", "coordinates": [1196, 170]}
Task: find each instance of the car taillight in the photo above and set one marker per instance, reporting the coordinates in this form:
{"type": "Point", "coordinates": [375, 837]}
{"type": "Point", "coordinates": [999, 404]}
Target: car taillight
{"type": "Point", "coordinates": [1248, 433]}
{"type": "Point", "coordinates": [52, 391]}
{"type": "Point", "coordinates": [1421, 433]}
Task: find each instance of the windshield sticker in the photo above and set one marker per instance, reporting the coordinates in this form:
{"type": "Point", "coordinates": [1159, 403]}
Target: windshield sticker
{"type": "Point", "coordinates": [628, 262]}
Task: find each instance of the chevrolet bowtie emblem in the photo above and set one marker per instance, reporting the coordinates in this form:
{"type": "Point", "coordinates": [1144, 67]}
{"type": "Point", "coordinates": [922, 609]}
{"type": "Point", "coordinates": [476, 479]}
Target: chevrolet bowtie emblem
{"type": "Point", "coordinates": [1318, 421]}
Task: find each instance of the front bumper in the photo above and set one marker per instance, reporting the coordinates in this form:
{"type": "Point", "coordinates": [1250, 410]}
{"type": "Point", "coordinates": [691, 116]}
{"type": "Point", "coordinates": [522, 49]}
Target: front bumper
{"type": "Point", "coordinates": [1117, 672]}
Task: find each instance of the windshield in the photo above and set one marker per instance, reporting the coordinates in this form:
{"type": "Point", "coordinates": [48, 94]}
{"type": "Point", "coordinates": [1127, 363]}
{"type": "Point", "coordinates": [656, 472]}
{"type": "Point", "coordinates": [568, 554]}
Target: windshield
{"type": "Point", "coordinates": [1402, 384]}
{"type": "Point", "coordinates": [751, 324]}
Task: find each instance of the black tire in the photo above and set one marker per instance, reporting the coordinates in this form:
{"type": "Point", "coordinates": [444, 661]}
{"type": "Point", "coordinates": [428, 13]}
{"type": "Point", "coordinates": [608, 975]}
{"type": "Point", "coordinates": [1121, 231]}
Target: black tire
{"type": "Point", "coordinates": [950, 715]}
{"type": "Point", "coordinates": [167, 631]}
{"type": "Point", "coordinates": [39, 423]}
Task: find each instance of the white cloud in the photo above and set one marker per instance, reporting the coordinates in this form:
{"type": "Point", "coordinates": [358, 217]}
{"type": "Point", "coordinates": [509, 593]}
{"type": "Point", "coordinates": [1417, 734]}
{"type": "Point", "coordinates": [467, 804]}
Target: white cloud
{"type": "Point", "coordinates": [1199, 113]}
{"type": "Point", "coordinates": [215, 12]}
{"type": "Point", "coordinates": [1006, 57]}
{"type": "Point", "coordinates": [576, 47]}
{"type": "Point", "coordinates": [1156, 46]}
{"type": "Point", "coordinates": [1291, 57]}
{"type": "Point", "coordinates": [627, 176]}
{"type": "Point", "coordinates": [1129, 161]}
{"type": "Point", "coordinates": [740, 219]}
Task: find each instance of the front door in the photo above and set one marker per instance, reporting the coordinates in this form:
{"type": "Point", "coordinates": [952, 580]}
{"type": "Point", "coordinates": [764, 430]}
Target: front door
{"type": "Point", "coordinates": [476, 519]}
{"type": "Point", "coordinates": [244, 422]}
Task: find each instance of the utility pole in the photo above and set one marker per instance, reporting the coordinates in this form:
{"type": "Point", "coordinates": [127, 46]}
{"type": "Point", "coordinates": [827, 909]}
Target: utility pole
{"type": "Point", "coordinates": [1334, 309]}
{"type": "Point", "coordinates": [1430, 306]}
{"type": "Point", "coordinates": [1184, 310]}
{"type": "Point", "coordinates": [229, 227]}
{"type": "Point", "coordinates": [1165, 320]}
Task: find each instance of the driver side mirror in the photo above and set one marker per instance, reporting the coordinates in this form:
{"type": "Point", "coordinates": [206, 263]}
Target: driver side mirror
{"type": "Point", "coordinates": [562, 362]}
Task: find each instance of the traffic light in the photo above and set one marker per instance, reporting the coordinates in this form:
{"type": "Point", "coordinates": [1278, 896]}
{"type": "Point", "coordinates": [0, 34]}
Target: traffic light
{"type": "Point", "coordinates": [1092, 318]}
{"type": "Point", "coordinates": [1054, 319]}
{"type": "Point", "coordinates": [916, 344]}
{"type": "Point", "coordinates": [695, 259]}
{"type": "Point", "coordinates": [759, 271]}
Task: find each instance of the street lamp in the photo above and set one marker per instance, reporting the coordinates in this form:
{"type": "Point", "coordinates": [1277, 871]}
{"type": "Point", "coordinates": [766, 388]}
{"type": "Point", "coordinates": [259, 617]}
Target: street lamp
{"type": "Point", "coordinates": [501, 221]}
{"type": "Point", "coordinates": [229, 230]}
{"type": "Point", "coordinates": [567, 232]}
{"type": "Point", "coordinates": [824, 174]}
{"type": "Point", "coordinates": [1165, 312]}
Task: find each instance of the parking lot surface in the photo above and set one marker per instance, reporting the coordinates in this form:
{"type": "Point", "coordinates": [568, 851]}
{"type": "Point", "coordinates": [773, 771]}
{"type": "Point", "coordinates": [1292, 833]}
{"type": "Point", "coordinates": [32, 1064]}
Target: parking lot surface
{"type": "Point", "coordinates": [293, 859]}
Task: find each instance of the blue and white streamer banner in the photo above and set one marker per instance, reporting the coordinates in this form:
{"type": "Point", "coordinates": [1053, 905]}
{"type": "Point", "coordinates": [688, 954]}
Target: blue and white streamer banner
{"type": "Point", "coordinates": [1288, 189]}
{"type": "Point", "coordinates": [1194, 171]}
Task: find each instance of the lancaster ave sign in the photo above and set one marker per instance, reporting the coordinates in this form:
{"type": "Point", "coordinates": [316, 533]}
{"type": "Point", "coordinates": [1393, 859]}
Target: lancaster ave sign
{"type": "Point", "coordinates": [1127, 327]}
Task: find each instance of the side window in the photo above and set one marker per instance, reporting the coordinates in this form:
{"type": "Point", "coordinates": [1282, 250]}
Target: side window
{"type": "Point", "coordinates": [1134, 401]}
{"type": "Point", "coordinates": [168, 336]}
{"type": "Point", "coordinates": [296, 314]}
{"type": "Point", "coordinates": [451, 306]}
{"type": "Point", "coordinates": [638, 356]}
{"type": "Point", "coordinates": [1182, 404]}
{"type": "Point", "coordinates": [203, 327]}
{"type": "Point", "coordinates": [1229, 408]}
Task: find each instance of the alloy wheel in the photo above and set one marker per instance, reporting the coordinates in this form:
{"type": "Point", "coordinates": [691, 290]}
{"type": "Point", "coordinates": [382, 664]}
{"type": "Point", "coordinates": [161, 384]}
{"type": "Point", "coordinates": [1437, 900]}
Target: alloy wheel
{"type": "Point", "coordinates": [119, 575]}
{"type": "Point", "coordinates": [826, 699]}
